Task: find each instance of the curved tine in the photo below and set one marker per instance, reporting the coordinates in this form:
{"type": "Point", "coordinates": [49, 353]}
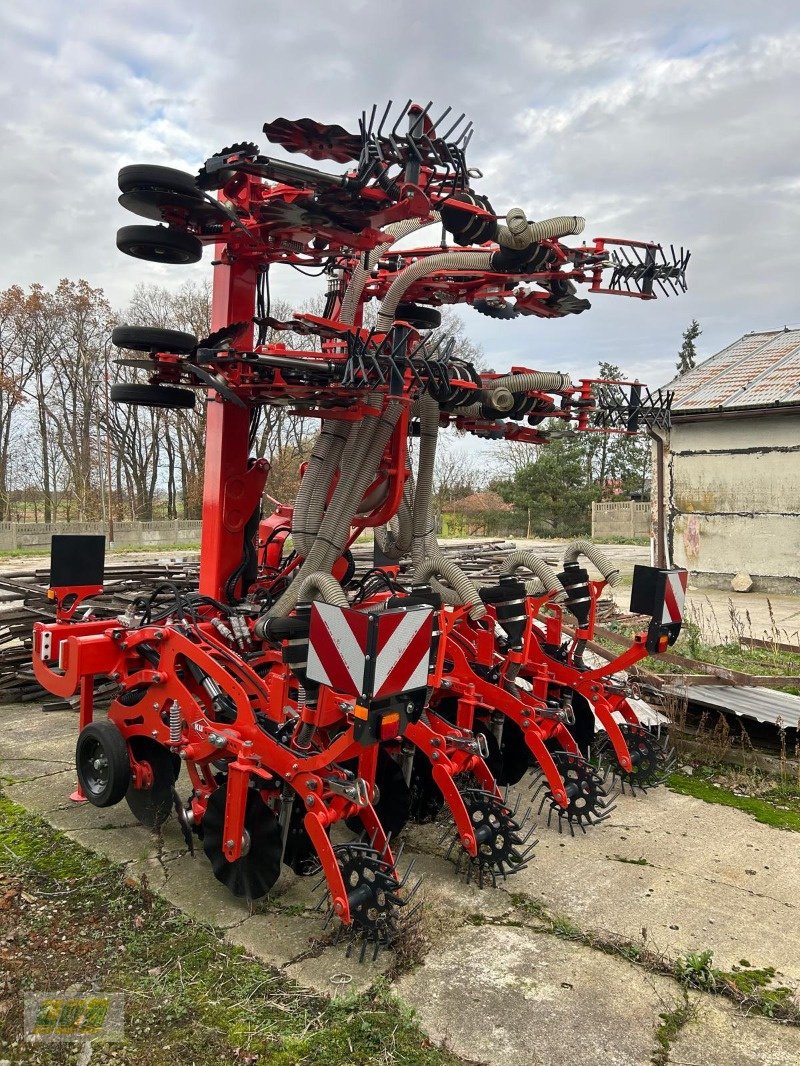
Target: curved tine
{"type": "Point", "coordinates": [385, 115]}
{"type": "Point", "coordinates": [407, 874]}
{"type": "Point", "coordinates": [400, 118]}
{"type": "Point", "coordinates": [440, 119]}
{"type": "Point", "coordinates": [372, 117]}
{"type": "Point", "coordinates": [467, 137]}
{"type": "Point", "coordinates": [412, 129]}
{"type": "Point", "coordinates": [455, 126]}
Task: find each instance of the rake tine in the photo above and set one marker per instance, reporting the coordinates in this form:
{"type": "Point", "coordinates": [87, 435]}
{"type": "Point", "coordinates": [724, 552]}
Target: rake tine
{"type": "Point", "coordinates": [412, 130]}
{"type": "Point", "coordinates": [379, 134]}
{"type": "Point", "coordinates": [441, 118]}
{"type": "Point", "coordinates": [400, 118]}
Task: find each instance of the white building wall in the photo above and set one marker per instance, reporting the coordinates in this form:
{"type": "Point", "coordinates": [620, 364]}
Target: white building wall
{"type": "Point", "coordinates": [733, 498]}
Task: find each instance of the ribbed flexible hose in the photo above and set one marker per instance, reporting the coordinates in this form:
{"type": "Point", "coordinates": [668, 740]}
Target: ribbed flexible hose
{"type": "Point", "coordinates": [594, 555]}
{"type": "Point", "coordinates": [360, 461]}
{"type": "Point", "coordinates": [547, 577]}
{"type": "Point", "coordinates": [519, 234]}
{"type": "Point", "coordinates": [456, 578]}
{"type": "Point", "coordinates": [324, 462]}
{"type": "Point", "coordinates": [395, 538]}
{"type": "Point", "coordinates": [361, 274]}
{"type": "Point", "coordinates": [326, 587]}
{"type": "Point", "coordinates": [310, 502]}
{"type": "Point", "coordinates": [429, 265]}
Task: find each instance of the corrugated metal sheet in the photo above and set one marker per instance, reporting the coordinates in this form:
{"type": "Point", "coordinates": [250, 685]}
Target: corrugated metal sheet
{"type": "Point", "coordinates": [760, 369]}
{"type": "Point", "coordinates": [762, 704]}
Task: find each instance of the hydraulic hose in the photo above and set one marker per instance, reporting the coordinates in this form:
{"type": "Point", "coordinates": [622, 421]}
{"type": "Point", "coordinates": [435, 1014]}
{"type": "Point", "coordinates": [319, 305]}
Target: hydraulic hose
{"type": "Point", "coordinates": [547, 579]}
{"type": "Point", "coordinates": [456, 579]}
{"type": "Point", "coordinates": [594, 555]}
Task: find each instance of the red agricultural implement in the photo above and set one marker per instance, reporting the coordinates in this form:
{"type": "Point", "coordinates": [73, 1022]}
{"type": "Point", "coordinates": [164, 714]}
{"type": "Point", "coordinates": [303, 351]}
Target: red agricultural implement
{"type": "Point", "coordinates": [296, 696]}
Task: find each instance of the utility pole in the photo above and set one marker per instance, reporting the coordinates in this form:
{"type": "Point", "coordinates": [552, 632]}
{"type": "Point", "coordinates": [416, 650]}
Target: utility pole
{"type": "Point", "coordinates": [108, 460]}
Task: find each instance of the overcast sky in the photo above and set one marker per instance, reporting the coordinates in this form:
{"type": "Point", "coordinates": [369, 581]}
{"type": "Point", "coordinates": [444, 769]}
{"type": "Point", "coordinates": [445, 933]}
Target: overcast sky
{"type": "Point", "coordinates": [657, 120]}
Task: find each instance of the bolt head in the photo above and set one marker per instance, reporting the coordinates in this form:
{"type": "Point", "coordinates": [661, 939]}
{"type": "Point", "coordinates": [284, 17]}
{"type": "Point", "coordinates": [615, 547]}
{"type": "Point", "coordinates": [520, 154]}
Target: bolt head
{"type": "Point", "coordinates": [228, 843]}
{"type": "Point", "coordinates": [338, 907]}
{"type": "Point", "coordinates": [309, 801]}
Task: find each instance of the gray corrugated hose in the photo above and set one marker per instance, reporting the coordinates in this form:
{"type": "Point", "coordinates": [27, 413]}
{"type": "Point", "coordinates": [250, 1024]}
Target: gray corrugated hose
{"type": "Point", "coordinates": [360, 460]}
{"type": "Point", "coordinates": [519, 234]}
{"type": "Point", "coordinates": [324, 461]}
{"type": "Point", "coordinates": [426, 555]}
{"type": "Point", "coordinates": [547, 577]}
{"type": "Point", "coordinates": [429, 265]}
{"type": "Point", "coordinates": [395, 538]}
{"type": "Point", "coordinates": [455, 577]}
{"type": "Point", "coordinates": [594, 555]}
{"type": "Point", "coordinates": [327, 587]}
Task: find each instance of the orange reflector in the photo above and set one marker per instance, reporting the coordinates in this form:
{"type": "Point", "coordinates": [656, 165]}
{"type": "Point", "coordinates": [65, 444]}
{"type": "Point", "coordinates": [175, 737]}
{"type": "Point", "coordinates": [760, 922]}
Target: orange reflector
{"type": "Point", "coordinates": [390, 725]}
{"type": "Point", "coordinates": [51, 594]}
{"type": "Point", "coordinates": [360, 712]}
{"type": "Point", "coordinates": [663, 642]}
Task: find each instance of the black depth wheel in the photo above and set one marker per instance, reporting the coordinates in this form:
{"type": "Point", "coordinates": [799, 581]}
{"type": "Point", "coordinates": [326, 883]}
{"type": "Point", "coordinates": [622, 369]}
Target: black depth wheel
{"type": "Point", "coordinates": [258, 868]}
{"type": "Point", "coordinates": [145, 176]}
{"type": "Point", "coordinates": [158, 244]}
{"type": "Point", "coordinates": [102, 763]}
{"type": "Point", "coordinates": [164, 396]}
{"type": "Point", "coordinates": [419, 316]}
{"type": "Point", "coordinates": [151, 339]}
{"type": "Point", "coordinates": [152, 806]}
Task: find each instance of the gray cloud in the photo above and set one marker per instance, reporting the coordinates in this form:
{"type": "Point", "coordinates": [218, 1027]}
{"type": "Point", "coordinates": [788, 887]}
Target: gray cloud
{"type": "Point", "coordinates": [667, 121]}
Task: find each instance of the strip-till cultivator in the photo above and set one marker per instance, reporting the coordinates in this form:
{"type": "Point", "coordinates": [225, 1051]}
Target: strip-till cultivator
{"type": "Point", "coordinates": [315, 713]}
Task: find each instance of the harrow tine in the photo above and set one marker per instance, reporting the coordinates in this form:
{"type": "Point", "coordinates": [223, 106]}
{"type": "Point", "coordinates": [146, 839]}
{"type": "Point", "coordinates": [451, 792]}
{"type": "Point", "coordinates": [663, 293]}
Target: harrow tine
{"type": "Point", "coordinates": [385, 115]}
{"type": "Point", "coordinates": [400, 118]}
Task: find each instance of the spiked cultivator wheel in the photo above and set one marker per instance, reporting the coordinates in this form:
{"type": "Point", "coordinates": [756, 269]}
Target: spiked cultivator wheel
{"type": "Point", "coordinates": [503, 846]}
{"type": "Point", "coordinates": [653, 759]}
{"type": "Point", "coordinates": [303, 699]}
{"type": "Point", "coordinates": [376, 898]}
{"type": "Point", "coordinates": [587, 799]}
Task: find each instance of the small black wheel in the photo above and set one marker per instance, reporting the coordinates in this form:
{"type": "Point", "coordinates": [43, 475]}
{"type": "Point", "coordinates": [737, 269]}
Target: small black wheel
{"type": "Point", "coordinates": [158, 244]}
{"type": "Point", "coordinates": [102, 763]}
{"type": "Point", "coordinates": [502, 309]}
{"type": "Point", "coordinates": [418, 316]}
{"type": "Point", "coordinates": [153, 805]}
{"type": "Point", "coordinates": [150, 339]}
{"type": "Point", "coordinates": [145, 176]}
{"type": "Point", "coordinates": [167, 397]}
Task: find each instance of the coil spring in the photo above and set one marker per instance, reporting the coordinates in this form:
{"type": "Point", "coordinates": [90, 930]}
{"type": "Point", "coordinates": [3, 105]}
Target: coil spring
{"type": "Point", "coordinates": [175, 724]}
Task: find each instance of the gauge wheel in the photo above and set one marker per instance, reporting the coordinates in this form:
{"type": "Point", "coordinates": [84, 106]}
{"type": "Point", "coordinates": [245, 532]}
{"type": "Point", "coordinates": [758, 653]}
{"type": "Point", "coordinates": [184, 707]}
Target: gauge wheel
{"type": "Point", "coordinates": [158, 244]}
{"type": "Point", "coordinates": [151, 339]}
{"type": "Point", "coordinates": [166, 397]}
{"type": "Point", "coordinates": [102, 763]}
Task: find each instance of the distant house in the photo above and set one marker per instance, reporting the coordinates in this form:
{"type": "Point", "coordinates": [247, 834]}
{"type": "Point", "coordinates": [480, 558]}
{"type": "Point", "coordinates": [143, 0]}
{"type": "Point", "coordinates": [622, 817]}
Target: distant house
{"type": "Point", "coordinates": [732, 464]}
{"type": "Point", "coordinates": [483, 514]}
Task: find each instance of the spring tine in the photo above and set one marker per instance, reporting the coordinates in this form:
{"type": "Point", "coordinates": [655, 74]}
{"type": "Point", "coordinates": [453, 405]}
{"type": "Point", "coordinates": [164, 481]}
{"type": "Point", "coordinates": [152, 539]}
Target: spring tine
{"type": "Point", "coordinates": [385, 115]}
{"type": "Point", "coordinates": [420, 120]}
{"type": "Point", "coordinates": [400, 118]}
{"type": "Point", "coordinates": [441, 118]}
{"type": "Point", "coordinates": [407, 874]}
{"type": "Point", "coordinates": [446, 136]}
{"type": "Point", "coordinates": [372, 118]}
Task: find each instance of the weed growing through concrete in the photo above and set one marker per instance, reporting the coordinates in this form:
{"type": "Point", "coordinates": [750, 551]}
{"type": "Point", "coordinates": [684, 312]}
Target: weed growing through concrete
{"type": "Point", "coordinates": [670, 1024]}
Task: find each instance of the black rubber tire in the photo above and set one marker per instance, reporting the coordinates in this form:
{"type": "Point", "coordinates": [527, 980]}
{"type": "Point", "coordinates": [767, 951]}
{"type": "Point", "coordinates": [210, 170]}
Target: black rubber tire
{"type": "Point", "coordinates": [103, 786]}
{"type": "Point", "coordinates": [151, 339]}
{"type": "Point", "coordinates": [157, 244]}
{"type": "Point", "coordinates": [143, 175]}
{"type": "Point", "coordinates": [152, 806]}
{"type": "Point", "coordinates": [419, 316]}
{"type": "Point", "coordinates": [165, 397]}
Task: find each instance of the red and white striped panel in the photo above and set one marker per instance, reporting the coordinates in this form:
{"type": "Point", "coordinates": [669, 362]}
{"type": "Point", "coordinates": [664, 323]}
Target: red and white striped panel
{"type": "Point", "coordinates": [403, 651]}
{"type": "Point", "coordinates": [674, 596]}
{"type": "Point", "coordinates": [337, 647]}
{"type": "Point", "coordinates": [367, 658]}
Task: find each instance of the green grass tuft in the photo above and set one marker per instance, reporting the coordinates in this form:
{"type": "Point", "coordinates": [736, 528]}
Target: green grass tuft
{"type": "Point", "coordinates": [760, 809]}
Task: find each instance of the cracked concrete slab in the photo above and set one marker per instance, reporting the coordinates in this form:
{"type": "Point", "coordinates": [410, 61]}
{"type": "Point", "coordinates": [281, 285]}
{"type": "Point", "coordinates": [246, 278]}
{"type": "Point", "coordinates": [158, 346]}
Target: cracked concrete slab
{"type": "Point", "coordinates": [715, 878]}
{"type": "Point", "coordinates": [693, 875]}
{"type": "Point", "coordinates": [513, 997]}
{"type": "Point", "coordinates": [720, 1036]}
